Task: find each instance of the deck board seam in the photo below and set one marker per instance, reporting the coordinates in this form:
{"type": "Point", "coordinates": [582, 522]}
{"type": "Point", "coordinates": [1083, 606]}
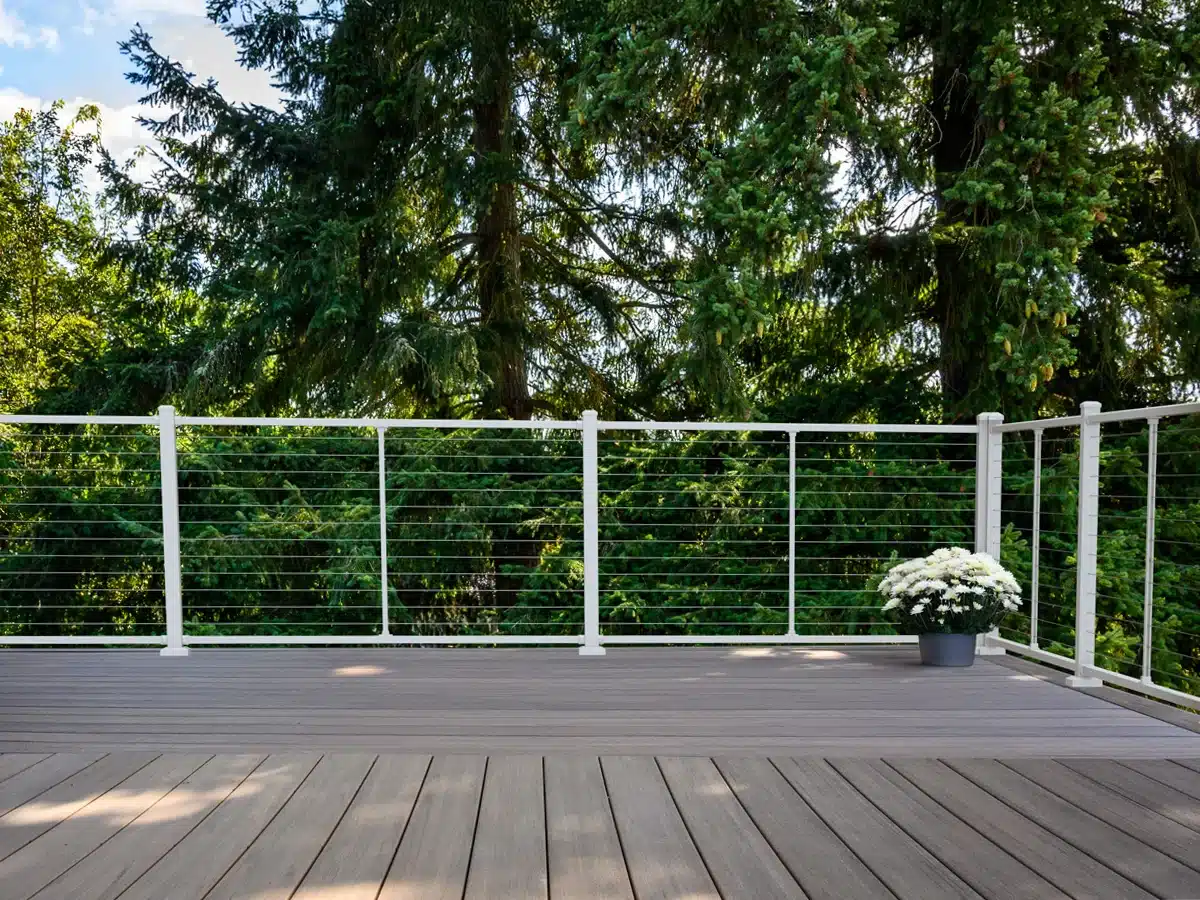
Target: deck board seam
{"type": "Point", "coordinates": [44, 757]}
{"type": "Point", "coordinates": [767, 840]}
{"type": "Point", "coordinates": [126, 825]}
{"type": "Point", "coordinates": [85, 806]}
{"type": "Point", "coordinates": [329, 837]}
{"type": "Point", "coordinates": [1129, 797]}
{"type": "Point", "coordinates": [403, 831]}
{"type": "Point", "coordinates": [546, 829]}
{"type": "Point", "coordinates": [1064, 836]}
{"type": "Point", "coordinates": [687, 830]}
{"type": "Point", "coordinates": [265, 826]}
{"type": "Point", "coordinates": [174, 845]}
{"type": "Point", "coordinates": [1103, 788]}
{"type": "Point", "coordinates": [1124, 763]}
{"type": "Point", "coordinates": [967, 822]}
{"type": "Point", "coordinates": [616, 827]}
{"type": "Point", "coordinates": [862, 861]}
{"type": "Point", "coordinates": [912, 837]}
{"type": "Point", "coordinates": [103, 755]}
{"type": "Point", "coordinates": [487, 760]}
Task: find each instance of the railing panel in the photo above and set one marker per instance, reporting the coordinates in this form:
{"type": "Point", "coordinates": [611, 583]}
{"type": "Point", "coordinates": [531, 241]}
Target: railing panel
{"type": "Point", "coordinates": [284, 531]}
{"type": "Point", "coordinates": [485, 532]}
{"type": "Point", "coordinates": [279, 530]}
{"type": "Point", "coordinates": [695, 527]}
{"type": "Point", "coordinates": [1149, 580]}
{"type": "Point", "coordinates": [1039, 540]}
{"type": "Point", "coordinates": [81, 531]}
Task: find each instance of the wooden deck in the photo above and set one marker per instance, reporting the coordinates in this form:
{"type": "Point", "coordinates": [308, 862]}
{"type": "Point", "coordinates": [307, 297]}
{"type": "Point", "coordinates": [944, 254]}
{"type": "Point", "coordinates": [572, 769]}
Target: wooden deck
{"type": "Point", "coordinates": [673, 774]}
{"type": "Point", "coordinates": [143, 826]}
{"type": "Point", "coordinates": [687, 701]}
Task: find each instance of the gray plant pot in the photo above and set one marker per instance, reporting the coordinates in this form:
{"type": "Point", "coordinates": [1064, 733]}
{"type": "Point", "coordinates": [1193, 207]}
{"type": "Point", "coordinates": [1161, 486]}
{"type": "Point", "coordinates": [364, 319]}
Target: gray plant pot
{"type": "Point", "coordinates": [947, 649]}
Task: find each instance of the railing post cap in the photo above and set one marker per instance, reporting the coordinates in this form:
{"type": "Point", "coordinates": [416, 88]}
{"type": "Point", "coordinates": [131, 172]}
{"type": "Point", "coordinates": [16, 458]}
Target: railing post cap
{"type": "Point", "coordinates": [1089, 407]}
{"type": "Point", "coordinates": [590, 415]}
{"type": "Point", "coordinates": [166, 410]}
{"type": "Point", "coordinates": [989, 418]}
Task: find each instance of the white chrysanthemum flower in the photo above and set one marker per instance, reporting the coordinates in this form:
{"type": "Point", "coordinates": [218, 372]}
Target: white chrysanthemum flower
{"type": "Point", "coordinates": [952, 582]}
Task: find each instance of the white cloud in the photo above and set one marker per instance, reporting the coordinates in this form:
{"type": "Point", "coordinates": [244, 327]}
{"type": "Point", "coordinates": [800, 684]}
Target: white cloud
{"type": "Point", "coordinates": [15, 32]}
{"type": "Point", "coordinates": [132, 9]}
{"type": "Point", "coordinates": [205, 49]}
{"type": "Point", "coordinates": [120, 132]}
{"type": "Point", "coordinates": [181, 30]}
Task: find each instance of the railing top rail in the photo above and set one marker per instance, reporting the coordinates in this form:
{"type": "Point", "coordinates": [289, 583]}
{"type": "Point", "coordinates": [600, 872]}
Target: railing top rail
{"type": "Point", "coordinates": [79, 420]}
{"type": "Point", "coordinates": [497, 424]}
{"type": "Point", "coordinates": [1145, 413]}
{"type": "Point", "coordinates": [1039, 424]}
{"type": "Point", "coordinates": [784, 428]}
{"type": "Point", "coordinates": [1148, 412]}
{"type": "Point", "coordinates": [255, 421]}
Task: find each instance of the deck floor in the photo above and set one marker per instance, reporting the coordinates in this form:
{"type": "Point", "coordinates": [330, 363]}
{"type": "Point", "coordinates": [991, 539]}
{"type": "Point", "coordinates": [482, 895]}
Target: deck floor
{"type": "Point", "coordinates": [685, 701]}
{"type": "Point", "coordinates": [673, 774]}
{"type": "Point", "coordinates": [146, 826]}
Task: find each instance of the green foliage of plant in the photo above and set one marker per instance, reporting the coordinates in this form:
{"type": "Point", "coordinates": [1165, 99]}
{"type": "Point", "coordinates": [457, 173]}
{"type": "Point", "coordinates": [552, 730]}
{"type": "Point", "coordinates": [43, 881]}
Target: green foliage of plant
{"type": "Point", "coordinates": [898, 211]}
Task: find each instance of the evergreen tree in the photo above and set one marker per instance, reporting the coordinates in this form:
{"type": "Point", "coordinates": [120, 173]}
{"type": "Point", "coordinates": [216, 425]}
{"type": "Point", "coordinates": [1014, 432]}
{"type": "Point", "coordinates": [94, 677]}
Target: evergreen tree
{"type": "Point", "coordinates": [418, 228]}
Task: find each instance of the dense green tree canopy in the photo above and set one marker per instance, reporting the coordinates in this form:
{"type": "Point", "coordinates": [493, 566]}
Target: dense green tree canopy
{"type": "Point", "coordinates": [864, 210]}
{"type": "Point", "coordinates": [702, 207]}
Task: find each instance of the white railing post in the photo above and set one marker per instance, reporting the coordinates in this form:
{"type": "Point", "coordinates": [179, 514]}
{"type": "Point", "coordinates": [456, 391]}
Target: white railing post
{"type": "Point", "coordinates": [1148, 584]}
{"type": "Point", "coordinates": [791, 623]}
{"type": "Point", "coordinates": [589, 432]}
{"type": "Point", "coordinates": [172, 570]}
{"type": "Point", "coordinates": [383, 548]}
{"type": "Point", "coordinates": [1035, 569]}
{"type": "Point", "coordinates": [1086, 534]}
{"type": "Point", "coordinates": [989, 457]}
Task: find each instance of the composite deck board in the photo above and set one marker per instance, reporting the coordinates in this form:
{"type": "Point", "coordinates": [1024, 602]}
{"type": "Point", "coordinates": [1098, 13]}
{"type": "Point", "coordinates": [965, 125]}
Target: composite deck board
{"type": "Point", "coordinates": [1064, 865]}
{"type": "Point", "coordinates": [1133, 818]}
{"type": "Point", "coordinates": [273, 865]}
{"type": "Point", "coordinates": [23, 786]}
{"type": "Point", "coordinates": [432, 860]}
{"type": "Point", "coordinates": [13, 763]}
{"type": "Point", "coordinates": [660, 701]}
{"type": "Point", "coordinates": [30, 820]}
{"type": "Point", "coordinates": [1141, 789]}
{"type": "Point", "coordinates": [909, 870]}
{"type": "Point", "coordinates": [192, 867]}
{"type": "Point", "coordinates": [663, 861]}
{"type": "Point", "coordinates": [988, 868]}
{"type": "Point", "coordinates": [120, 861]}
{"type": "Point", "coordinates": [740, 860]}
{"type": "Point", "coordinates": [354, 861]}
{"type": "Point", "coordinates": [43, 859]}
{"type": "Point", "coordinates": [345, 827]}
{"type": "Point", "coordinates": [1166, 772]}
{"type": "Point", "coordinates": [584, 850]}
{"type": "Point", "coordinates": [1144, 865]}
{"type": "Point", "coordinates": [622, 797]}
{"type": "Point", "coordinates": [730, 744]}
{"type": "Point", "coordinates": [508, 859]}
{"type": "Point", "coordinates": [824, 866]}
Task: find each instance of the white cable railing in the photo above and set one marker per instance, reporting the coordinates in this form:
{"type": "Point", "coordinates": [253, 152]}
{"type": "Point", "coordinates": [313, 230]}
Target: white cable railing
{"type": "Point", "coordinates": [178, 531]}
{"type": "Point", "coordinates": [1102, 521]}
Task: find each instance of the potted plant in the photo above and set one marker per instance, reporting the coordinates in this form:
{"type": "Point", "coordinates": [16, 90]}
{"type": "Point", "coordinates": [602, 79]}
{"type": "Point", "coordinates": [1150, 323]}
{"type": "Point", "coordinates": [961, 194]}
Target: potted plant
{"type": "Point", "coordinates": [947, 598]}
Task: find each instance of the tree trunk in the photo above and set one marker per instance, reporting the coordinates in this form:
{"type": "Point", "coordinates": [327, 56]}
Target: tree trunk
{"type": "Point", "coordinates": [501, 303]}
{"type": "Point", "coordinates": [955, 110]}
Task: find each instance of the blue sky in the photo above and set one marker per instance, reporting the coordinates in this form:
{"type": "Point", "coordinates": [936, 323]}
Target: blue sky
{"type": "Point", "coordinates": [67, 49]}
